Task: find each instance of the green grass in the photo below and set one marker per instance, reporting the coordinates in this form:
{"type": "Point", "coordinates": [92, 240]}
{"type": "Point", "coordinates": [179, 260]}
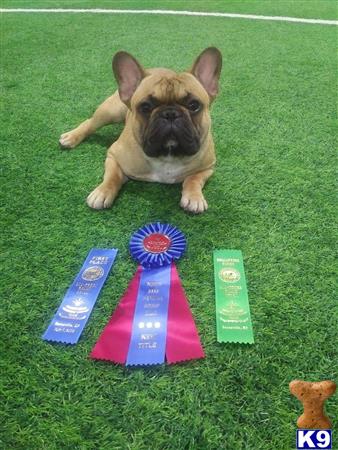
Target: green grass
{"type": "Point", "coordinates": [272, 196]}
{"type": "Point", "coordinates": [313, 9]}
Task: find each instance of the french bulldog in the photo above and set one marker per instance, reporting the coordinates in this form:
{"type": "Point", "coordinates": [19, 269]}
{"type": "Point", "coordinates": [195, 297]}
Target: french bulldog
{"type": "Point", "coordinates": [167, 135]}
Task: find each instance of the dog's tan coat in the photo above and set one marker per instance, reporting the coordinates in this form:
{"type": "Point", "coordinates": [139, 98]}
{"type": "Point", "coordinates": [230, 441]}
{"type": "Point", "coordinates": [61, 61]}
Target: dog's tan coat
{"type": "Point", "coordinates": [126, 159]}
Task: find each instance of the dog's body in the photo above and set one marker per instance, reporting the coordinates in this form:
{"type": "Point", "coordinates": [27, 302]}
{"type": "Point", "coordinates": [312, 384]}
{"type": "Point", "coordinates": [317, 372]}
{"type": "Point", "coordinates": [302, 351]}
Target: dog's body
{"type": "Point", "coordinates": [167, 134]}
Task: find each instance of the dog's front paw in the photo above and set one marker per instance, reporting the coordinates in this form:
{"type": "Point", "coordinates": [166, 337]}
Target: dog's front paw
{"type": "Point", "coordinates": [101, 197]}
{"type": "Point", "coordinates": [194, 203]}
{"type": "Point", "coordinates": [70, 139]}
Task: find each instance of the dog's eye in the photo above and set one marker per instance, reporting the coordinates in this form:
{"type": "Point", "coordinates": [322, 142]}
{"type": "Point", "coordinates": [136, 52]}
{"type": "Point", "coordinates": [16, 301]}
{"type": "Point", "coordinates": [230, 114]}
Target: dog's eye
{"type": "Point", "coordinates": [145, 107]}
{"type": "Point", "coordinates": [194, 105]}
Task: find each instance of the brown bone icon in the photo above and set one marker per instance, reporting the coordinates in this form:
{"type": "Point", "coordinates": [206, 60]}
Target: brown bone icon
{"type": "Point", "coordinates": [313, 396]}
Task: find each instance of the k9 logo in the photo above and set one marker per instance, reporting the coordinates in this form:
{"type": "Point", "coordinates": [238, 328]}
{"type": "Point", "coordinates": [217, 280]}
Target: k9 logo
{"type": "Point", "coordinates": [314, 439]}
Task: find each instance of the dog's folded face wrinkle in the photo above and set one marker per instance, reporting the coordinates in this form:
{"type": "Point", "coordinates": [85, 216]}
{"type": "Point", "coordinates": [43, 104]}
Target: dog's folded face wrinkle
{"type": "Point", "coordinates": [170, 131]}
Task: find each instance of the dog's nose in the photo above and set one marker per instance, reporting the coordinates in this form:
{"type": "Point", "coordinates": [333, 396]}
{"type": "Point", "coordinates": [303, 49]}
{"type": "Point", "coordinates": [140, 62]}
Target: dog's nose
{"type": "Point", "coordinates": [171, 113]}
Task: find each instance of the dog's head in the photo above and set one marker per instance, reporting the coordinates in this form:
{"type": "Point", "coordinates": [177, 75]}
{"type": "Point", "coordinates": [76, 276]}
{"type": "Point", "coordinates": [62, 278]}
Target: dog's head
{"type": "Point", "coordinates": [169, 110]}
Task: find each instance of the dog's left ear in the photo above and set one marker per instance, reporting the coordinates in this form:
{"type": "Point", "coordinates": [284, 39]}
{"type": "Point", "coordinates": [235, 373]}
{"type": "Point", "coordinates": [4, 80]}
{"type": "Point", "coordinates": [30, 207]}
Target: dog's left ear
{"type": "Point", "coordinates": [207, 69]}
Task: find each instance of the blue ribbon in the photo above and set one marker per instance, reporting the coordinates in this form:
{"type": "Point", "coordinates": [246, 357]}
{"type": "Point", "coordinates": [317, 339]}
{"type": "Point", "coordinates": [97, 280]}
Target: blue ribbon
{"type": "Point", "coordinates": [154, 246]}
{"type": "Point", "coordinates": [74, 311]}
{"type": "Point", "coordinates": [149, 330]}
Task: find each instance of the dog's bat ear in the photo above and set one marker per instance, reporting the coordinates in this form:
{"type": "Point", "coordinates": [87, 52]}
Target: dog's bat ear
{"type": "Point", "coordinates": [207, 69]}
{"type": "Point", "coordinates": [128, 73]}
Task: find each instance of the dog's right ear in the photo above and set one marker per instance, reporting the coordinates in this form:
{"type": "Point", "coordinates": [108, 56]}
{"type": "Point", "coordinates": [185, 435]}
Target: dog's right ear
{"type": "Point", "coordinates": [128, 73]}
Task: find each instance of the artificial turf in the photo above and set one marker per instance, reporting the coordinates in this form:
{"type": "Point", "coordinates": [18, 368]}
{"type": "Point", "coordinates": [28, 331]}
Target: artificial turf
{"type": "Point", "coordinates": [272, 196]}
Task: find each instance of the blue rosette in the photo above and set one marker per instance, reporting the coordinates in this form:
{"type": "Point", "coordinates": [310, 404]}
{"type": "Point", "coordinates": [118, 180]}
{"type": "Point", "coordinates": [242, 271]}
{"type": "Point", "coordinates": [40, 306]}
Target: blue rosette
{"type": "Point", "coordinates": [157, 244]}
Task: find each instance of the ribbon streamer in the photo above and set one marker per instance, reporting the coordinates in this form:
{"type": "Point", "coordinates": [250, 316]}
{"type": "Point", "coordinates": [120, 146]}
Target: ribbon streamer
{"type": "Point", "coordinates": [74, 311]}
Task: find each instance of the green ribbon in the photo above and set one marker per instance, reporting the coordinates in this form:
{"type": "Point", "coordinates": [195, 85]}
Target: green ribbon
{"type": "Point", "coordinates": [233, 318]}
